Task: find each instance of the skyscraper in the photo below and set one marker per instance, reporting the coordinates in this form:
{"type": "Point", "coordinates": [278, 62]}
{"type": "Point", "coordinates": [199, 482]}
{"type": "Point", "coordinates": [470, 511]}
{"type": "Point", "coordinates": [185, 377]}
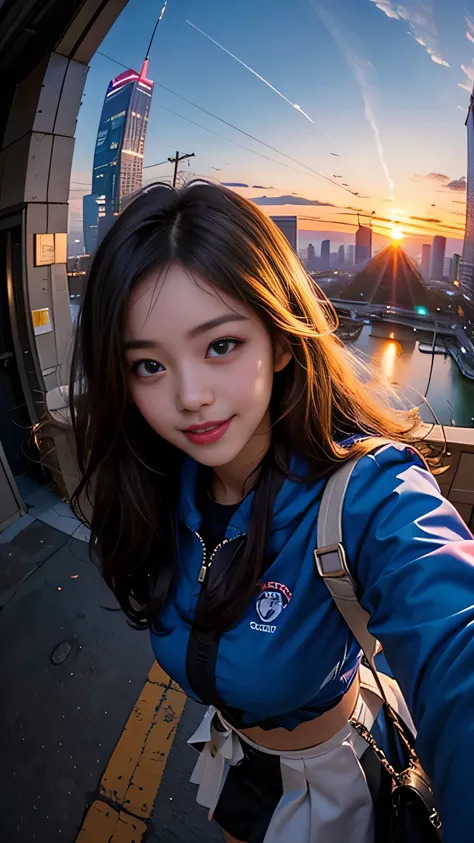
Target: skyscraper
{"type": "Point", "coordinates": [118, 158]}
{"type": "Point", "coordinates": [351, 255]}
{"type": "Point", "coordinates": [311, 261]}
{"type": "Point", "coordinates": [363, 244]}
{"type": "Point", "coordinates": [455, 267]}
{"type": "Point", "coordinates": [425, 261]}
{"type": "Point", "coordinates": [467, 265]}
{"type": "Point", "coordinates": [437, 258]}
{"type": "Point", "coordinates": [289, 227]}
{"type": "Point", "coordinates": [325, 254]}
{"type": "Point", "coordinates": [341, 259]}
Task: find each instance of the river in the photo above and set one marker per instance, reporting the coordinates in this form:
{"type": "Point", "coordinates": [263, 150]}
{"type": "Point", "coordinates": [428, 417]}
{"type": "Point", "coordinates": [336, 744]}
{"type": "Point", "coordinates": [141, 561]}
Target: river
{"type": "Point", "coordinates": [450, 394]}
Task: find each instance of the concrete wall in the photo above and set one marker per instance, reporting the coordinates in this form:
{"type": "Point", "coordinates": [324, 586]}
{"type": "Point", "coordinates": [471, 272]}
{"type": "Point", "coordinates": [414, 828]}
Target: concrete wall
{"type": "Point", "coordinates": [457, 483]}
{"type": "Point", "coordinates": [35, 171]}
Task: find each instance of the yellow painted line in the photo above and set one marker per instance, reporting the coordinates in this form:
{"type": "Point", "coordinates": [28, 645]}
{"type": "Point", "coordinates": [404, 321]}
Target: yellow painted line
{"type": "Point", "coordinates": [135, 769]}
{"type": "Point", "coordinates": [99, 824]}
{"type": "Point", "coordinates": [128, 829]}
{"type": "Point", "coordinates": [104, 824]}
{"type": "Point", "coordinates": [147, 777]}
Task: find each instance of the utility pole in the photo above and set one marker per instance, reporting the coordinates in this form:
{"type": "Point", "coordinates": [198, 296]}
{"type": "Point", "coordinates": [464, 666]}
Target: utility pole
{"type": "Point", "coordinates": [177, 158]}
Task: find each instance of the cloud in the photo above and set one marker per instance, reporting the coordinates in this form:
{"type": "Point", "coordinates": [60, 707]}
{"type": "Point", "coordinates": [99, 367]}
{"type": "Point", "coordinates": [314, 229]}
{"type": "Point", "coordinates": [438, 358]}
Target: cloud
{"type": "Point", "coordinates": [442, 180]}
{"type": "Point", "coordinates": [420, 18]}
{"type": "Point", "coordinates": [470, 27]}
{"type": "Point", "coordinates": [439, 178]}
{"type": "Point", "coordinates": [457, 184]}
{"type": "Point", "coordinates": [261, 187]}
{"type": "Point", "coordinates": [233, 184]}
{"type": "Point", "coordinates": [425, 219]}
{"type": "Point", "coordinates": [362, 71]}
{"type": "Point", "coordinates": [469, 71]}
{"type": "Point", "coordinates": [438, 59]}
{"type": "Point", "coordinates": [458, 201]}
{"type": "Point", "coordinates": [289, 200]}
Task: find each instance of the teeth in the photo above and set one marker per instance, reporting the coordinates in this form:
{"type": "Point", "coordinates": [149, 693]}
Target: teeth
{"type": "Point", "coordinates": [205, 429]}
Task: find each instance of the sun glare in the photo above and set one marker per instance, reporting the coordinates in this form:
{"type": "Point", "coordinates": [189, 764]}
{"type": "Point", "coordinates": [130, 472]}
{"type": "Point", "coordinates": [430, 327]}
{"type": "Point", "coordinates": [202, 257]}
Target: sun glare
{"type": "Point", "coordinates": [397, 233]}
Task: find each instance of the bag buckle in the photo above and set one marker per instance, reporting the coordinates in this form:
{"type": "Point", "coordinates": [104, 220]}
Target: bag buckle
{"type": "Point", "coordinates": [330, 570]}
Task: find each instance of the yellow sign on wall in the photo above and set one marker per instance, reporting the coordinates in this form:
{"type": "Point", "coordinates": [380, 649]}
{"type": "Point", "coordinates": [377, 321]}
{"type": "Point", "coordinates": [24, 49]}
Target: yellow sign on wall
{"type": "Point", "coordinates": [41, 321]}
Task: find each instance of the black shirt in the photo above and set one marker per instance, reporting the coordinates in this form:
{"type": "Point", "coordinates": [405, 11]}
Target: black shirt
{"type": "Point", "coordinates": [215, 518]}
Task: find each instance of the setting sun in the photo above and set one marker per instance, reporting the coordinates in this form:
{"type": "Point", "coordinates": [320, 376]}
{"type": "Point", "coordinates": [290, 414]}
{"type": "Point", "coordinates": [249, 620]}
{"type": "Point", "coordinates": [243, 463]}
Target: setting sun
{"type": "Point", "coordinates": [397, 233]}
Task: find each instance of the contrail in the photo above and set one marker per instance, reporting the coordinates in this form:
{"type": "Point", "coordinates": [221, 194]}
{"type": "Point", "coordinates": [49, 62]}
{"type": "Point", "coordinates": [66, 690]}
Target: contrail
{"type": "Point", "coordinates": [358, 68]}
{"type": "Point", "coordinates": [265, 81]}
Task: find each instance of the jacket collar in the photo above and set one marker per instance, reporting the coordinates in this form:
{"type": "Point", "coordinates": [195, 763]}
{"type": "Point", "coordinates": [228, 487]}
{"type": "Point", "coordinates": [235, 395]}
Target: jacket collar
{"type": "Point", "coordinates": [291, 500]}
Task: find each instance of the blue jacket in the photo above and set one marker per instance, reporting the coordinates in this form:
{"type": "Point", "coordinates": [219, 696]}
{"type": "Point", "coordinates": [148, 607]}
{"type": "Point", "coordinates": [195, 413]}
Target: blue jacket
{"type": "Point", "coordinates": [292, 654]}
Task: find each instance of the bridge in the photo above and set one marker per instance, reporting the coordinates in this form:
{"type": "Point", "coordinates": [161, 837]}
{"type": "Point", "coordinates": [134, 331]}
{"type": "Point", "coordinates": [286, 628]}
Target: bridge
{"type": "Point", "coordinates": [418, 320]}
{"type": "Point", "coordinates": [391, 322]}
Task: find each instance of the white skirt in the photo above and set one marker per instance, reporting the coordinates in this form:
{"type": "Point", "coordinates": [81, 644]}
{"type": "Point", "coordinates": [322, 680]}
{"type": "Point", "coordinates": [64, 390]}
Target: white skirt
{"type": "Point", "coordinates": [325, 798]}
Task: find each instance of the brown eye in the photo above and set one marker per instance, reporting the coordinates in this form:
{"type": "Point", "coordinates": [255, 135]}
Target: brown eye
{"type": "Point", "coordinates": [147, 368]}
{"type": "Point", "coordinates": [222, 347]}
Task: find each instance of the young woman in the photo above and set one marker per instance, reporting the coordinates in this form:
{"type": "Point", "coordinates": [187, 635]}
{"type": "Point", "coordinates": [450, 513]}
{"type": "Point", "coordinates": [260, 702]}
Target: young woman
{"type": "Point", "coordinates": [212, 402]}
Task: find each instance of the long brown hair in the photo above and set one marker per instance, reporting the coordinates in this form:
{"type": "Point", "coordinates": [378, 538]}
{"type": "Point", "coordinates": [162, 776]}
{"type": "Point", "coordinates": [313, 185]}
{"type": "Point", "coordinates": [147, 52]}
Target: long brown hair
{"type": "Point", "coordinates": [129, 473]}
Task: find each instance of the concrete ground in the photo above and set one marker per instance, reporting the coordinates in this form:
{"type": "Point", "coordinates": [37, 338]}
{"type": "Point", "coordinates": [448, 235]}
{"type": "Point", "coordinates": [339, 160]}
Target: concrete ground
{"type": "Point", "coordinates": [60, 722]}
{"type": "Point", "coordinates": [72, 673]}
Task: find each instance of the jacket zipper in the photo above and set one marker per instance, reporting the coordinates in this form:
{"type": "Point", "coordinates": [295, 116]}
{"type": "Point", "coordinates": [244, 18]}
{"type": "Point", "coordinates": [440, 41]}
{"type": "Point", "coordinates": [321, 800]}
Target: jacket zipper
{"type": "Point", "coordinates": [207, 562]}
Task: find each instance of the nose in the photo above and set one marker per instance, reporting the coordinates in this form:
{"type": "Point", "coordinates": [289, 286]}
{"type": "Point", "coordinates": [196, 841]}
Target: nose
{"type": "Point", "coordinates": [193, 391]}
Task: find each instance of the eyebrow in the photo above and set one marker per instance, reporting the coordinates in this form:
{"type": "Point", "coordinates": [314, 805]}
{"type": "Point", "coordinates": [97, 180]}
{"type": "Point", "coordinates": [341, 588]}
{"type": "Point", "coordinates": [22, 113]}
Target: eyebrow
{"type": "Point", "coordinates": [192, 334]}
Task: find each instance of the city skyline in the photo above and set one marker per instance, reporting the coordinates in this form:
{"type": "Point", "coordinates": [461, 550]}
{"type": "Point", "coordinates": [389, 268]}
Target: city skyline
{"type": "Point", "coordinates": [348, 96]}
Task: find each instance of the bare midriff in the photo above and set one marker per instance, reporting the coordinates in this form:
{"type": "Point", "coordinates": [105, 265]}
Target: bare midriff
{"type": "Point", "coordinates": [311, 732]}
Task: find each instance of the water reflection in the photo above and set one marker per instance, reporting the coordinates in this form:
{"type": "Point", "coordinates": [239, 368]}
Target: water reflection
{"type": "Point", "coordinates": [450, 394]}
{"type": "Point", "coordinates": [388, 358]}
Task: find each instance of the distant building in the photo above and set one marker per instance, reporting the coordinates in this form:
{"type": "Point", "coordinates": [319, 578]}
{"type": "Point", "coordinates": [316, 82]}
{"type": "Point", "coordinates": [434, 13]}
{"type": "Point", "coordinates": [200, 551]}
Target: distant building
{"type": "Point", "coordinates": [93, 209]}
{"type": "Point", "coordinates": [438, 250]}
{"type": "Point", "coordinates": [467, 265]}
{"type": "Point", "coordinates": [118, 157]}
{"type": "Point", "coordinates": [289, 227]}
{"type": "Point", "coordinates": [334, 260]}
{"type": "Point", "coordinates": [341, 259]}
{"type": "Point", "coordinates": [325, 254]}
{"type": "Point", "coordinates": [351, 255]}
{"type": "Point", "coordinates": [363, 244]}
{"type": "Point", "coordinates": [311, 259]}
{"type": "Point", "coordinates": [77, 270]}
{"type": "Point", "coordinates": [455, 268]}
{"type": "Point", "coordinates": [425, 261]}
{"type": "Point", "coordinates": [446, 267]}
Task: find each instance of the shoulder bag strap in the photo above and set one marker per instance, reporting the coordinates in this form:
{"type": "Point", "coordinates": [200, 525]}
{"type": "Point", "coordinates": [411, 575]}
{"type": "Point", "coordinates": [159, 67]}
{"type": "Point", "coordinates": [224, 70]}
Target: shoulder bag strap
{"type": "Point", "coordinates": [331, 561]}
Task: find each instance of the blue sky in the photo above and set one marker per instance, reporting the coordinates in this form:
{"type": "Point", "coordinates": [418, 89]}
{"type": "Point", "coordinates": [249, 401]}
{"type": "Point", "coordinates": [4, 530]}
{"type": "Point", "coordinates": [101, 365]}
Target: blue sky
{"type": "Point", "coordinates": [379, 79]}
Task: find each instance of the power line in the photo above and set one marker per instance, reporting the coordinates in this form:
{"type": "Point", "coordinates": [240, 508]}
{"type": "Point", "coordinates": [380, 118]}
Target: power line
{"type": "Point", "coordinates": [158, 164]}
{"type": "Point", "coordinates": [241, 145]}
{"type": "Point", "coordinates": [242, 131]}
{"type": "Point", "coordinates": [253, 137]}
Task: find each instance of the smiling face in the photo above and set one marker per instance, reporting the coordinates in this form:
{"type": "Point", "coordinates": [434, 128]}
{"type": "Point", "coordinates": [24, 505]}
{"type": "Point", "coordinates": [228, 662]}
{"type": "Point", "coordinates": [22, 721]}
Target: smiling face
{"type": "Point", "coordinates": [201, 368]}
